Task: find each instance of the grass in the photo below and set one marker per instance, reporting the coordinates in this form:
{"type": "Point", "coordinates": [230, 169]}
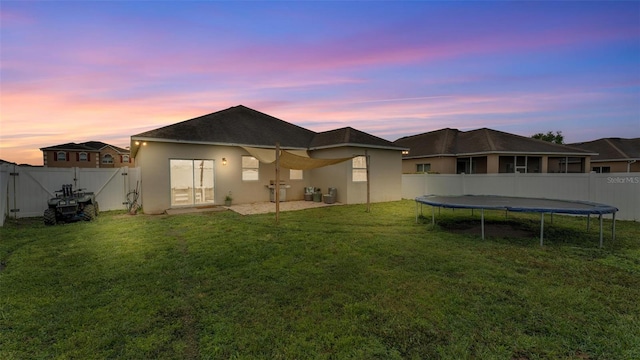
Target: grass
{"type": "Point", "coordinates": [329, 283]}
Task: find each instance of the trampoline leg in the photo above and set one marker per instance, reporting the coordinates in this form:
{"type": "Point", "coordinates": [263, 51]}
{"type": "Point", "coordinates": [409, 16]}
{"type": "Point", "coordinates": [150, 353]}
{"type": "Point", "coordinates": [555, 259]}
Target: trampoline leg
{"type": "Point", "coordinates": [551, 218]}
{"type": "Point", "coordinates": [541, 228]}
{"type": "Point", "coordinates": [600, 230]}
{"type": "Point", "coordinates": [433, 216]}
{"type": "Point", "coordinates": [613, 227]}
{"type": "Point", "coordinates": [588, 221]}
{"type": "Point", "coordinates": [482, 222]}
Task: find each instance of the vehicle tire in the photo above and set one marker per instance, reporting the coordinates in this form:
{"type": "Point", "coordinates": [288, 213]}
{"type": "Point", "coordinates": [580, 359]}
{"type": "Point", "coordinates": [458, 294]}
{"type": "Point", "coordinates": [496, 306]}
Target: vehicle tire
{"type": "Point", "coordinates": [89, 212]}
{"type": "Point", "coordinates": [97, 208]}
{"type": "Point", "coordinates": [50, 217]}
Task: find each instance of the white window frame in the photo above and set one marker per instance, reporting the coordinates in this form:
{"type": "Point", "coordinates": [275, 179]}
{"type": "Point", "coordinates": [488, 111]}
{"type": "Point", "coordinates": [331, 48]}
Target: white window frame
{"type": "Point", "coordinates": [295, 174]}
{"type": "Point", "coordinates": [83, 156]}
{"type": "Point", "coordinates": [359, 169]}
{"type": "Point", "coordinates": [105, 158]}
{"type": "Point", "coordinates": [420, 168]}
{"type": "Point", "coordinates": [250, 168]}
{"type": "Point", "coordinates": [61, 156]}
{"type": "Point", "coordinates": [126, 159]}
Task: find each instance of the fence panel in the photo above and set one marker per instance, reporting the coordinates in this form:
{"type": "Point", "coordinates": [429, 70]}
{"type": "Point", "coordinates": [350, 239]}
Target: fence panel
{"type": "Point", "coordinates": [30, 190]}
{"type": "Point", "coordinates": [25, 190]}
{"type": "Point", "coordinates": [621, 190]}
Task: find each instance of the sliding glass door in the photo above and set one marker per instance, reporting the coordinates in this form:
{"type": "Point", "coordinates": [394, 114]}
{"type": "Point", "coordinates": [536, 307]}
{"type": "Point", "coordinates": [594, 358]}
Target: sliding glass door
{"type": "Point", "coordinates": [191, 182]}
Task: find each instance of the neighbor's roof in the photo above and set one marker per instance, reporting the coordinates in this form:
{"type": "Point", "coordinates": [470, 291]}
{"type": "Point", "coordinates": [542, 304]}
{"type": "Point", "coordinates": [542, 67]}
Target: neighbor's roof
{"type": "Point", "coordinates": [453, 142]}
{"type": "Point", "coordinates": [612, 149]}
{"type": "Point", "coordinates": [242, 126]}
{"type": "Point", "coordinates": [85, 146]}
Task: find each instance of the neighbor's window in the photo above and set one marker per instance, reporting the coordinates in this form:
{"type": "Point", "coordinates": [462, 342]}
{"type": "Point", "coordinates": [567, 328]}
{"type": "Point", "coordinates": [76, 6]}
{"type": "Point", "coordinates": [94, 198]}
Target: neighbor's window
{"type": "Point", "coordinates": [602, 169]}
{"type": "Point", "coordinates": [83, 156]}
{"type": "Point", "coordinates": [125, 158]}
{"type": "Point", "coordinates": [422, 168]}
{"type": "Point", "coordinates": [61, 156]}
{"type": "Point", "coordinates": [295, 174]}
{"type": "Point", "coordinates": [359, 168]}
{"type": "Point", "coordinates": [191, 182]}
{"type": "Point", "coordinates": [250, 167]}
{"type": "Point", "coordinates": [107, 159]}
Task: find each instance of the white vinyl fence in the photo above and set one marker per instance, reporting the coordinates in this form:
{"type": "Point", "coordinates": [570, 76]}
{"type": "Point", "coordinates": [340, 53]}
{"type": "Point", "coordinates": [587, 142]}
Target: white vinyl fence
{"type": "Point", "coordinates": [24, 190]}
{"type": "Point", "coordinates": [621, 190]}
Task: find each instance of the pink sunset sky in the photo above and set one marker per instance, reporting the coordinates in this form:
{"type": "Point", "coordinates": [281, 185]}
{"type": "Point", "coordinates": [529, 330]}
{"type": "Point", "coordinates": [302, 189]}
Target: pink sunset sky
{"type": "Point", "coordinates": [104, 71]}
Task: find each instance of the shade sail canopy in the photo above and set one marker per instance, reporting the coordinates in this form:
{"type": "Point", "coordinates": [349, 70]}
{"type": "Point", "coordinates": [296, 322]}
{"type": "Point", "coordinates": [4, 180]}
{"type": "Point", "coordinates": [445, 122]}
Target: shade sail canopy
{"type": "Point", "coordinates": [292, 159]}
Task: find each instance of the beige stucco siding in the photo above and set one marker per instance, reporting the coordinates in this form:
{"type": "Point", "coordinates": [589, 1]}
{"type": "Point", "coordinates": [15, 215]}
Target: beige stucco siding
{"type": "Point", "coordinates": [617, 166]}
{"type": "Point", "coordinates": [385, 175]}
{"type": "Point", "coordinates": [441, 165]}
{"type": "Point", "coordinates": [154, 160]}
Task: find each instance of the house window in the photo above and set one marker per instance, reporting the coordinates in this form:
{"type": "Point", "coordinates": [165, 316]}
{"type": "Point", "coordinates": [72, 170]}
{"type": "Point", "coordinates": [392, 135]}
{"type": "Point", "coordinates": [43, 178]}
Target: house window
{"type": "Point", "coordinates": [125, 158]}
{"type": "Point", "coordinates": [191, 182]}
{"type": "Point", "coordinates": [295, 174]}
{"type": "Point", "coordinates": [250, 168]}
{"type": "Point", "coordinates": [464, 165]}
{"type": "Point", "coordinates": [61, 156]}
{"type": "Point", "coordinates": [107, 159]}
{"type": "Point", "coordinates": [83, 156]}
{"type": "Point", "coordinates": [359, 169]}
{"type": "Point", "coordinates": [602, 169]}
{"type": "Point", "coordinates": [423, 168]}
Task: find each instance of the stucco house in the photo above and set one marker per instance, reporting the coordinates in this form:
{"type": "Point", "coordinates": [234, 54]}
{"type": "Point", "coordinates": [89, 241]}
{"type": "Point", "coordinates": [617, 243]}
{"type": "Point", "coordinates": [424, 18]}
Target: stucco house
{"type": "Point", "coordinates": [487, 151]}
{"type": "Point", "coordinates": [199, 161]}
{"type": "Point", "coordinates": [90, 154]}
{"type": "Point", "coordinates": [614, 154]}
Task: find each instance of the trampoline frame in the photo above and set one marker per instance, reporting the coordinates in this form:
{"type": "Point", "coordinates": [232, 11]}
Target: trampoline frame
{"type": "Point", "coordinates": [509, 203]}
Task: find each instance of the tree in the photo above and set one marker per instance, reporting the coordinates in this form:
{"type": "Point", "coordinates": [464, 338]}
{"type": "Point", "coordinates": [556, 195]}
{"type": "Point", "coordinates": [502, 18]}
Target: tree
{"type": "Point", "coordinates": [556, 138]}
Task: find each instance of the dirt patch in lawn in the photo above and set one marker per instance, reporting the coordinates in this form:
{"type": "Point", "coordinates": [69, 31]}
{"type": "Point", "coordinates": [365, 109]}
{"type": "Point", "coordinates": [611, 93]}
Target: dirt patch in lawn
{"type": "Point", "coordinates": [509, 229]}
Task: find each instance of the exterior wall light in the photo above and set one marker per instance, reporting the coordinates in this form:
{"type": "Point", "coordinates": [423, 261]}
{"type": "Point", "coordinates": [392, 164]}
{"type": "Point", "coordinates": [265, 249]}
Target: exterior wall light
{"type": "Point", "coordinates": [224, 161]}
{"type": "Point", "coordinates": [405, 152]}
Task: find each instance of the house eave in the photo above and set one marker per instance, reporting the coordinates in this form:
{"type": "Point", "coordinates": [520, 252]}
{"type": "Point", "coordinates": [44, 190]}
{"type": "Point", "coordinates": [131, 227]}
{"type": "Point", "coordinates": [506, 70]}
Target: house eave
{"type": "Point", "coordinates": [135, 147]}
{"type": "Point", "coordinates": [615, 160]}
{"type": "Point", "coordinates": [500, 153]}
{"type": "Point", "coordinates": [333, 146]}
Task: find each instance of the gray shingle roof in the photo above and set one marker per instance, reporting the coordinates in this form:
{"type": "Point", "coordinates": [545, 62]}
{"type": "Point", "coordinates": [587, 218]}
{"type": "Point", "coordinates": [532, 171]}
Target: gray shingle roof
{"type": "Point", "coordinates": [240, 125]}
{"type": "Point", "coordinates": [86, 146]}
{"type": "Point", "coordinates": [349, 136]}
{"type": "Point", "coordinates": [612, 148]}
{"type": "Point", "coordinates": [454, 142]}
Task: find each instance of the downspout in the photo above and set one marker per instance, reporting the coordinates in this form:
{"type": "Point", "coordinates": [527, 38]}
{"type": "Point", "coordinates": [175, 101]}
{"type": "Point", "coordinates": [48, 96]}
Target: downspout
{"type": "Point", "coordinates": [629, 162]}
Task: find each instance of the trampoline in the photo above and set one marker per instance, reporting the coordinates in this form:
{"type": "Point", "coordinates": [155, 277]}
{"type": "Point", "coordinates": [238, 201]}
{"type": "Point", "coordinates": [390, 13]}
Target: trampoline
{"type": "Point", "coordinates": [519, 204]}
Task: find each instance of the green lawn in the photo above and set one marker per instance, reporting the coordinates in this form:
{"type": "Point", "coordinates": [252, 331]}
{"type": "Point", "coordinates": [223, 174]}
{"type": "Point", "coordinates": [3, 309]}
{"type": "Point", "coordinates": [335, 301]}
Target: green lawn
{"type": "Point", "coordinates": [328, 283]}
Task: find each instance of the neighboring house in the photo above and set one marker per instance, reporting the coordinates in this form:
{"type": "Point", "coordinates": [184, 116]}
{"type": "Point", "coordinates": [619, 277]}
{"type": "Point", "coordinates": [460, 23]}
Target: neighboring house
{"type": "Point", "coordinates": [198, 162]}
{"type": "Point", "coordinates": [486, 151]}
{"type": "Point", "coordinates": [90, 154]}
{"type": "Point", "coordinates": [614, 154]}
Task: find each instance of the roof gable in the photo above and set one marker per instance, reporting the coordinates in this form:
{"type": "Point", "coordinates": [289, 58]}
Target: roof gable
{"type": "Point", "coordinates": [238, 125]}
{"type": "Point", "coordinates": [349, 136]}
{"type": "Point", "coordinates": [242, 126]}
{"type": "Point", "coordinates": [612, 148]}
